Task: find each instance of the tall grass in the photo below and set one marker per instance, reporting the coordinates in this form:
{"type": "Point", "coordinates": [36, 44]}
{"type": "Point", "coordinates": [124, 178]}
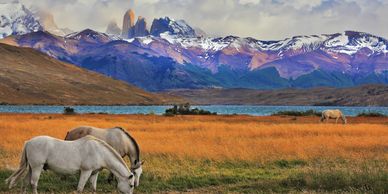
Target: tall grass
{"type": "Point", "coordinates": [215, 138]}
{"type": "Point", "coordinates": [225, 153]}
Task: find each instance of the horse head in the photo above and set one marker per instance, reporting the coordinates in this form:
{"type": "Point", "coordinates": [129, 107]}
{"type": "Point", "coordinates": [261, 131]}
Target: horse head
{"type": "Point", "coordinates": [137, 170]}
{"type": "Point", "coordinates": [127, 184]}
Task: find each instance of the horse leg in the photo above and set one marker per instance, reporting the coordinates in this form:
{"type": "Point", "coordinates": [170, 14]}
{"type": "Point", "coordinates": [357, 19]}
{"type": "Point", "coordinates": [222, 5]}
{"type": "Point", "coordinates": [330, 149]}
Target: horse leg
{"type": "Point", "coordinates": [336, 120]}
{"type": "Point", "coordinates": [93, 181]}
{"type": "Point", "coordinates": [83, 179]}
{"type": "Point", "coordinates": [35, 174]}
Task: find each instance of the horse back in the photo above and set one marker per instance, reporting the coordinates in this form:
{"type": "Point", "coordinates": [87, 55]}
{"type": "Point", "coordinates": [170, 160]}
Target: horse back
{"type": "Point", "coordinates": [80, 132]}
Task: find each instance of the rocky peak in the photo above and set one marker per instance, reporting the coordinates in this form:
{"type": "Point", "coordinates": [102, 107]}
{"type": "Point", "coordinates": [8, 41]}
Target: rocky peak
{"type": "Point", "coordinates": [179, 27]}
{"type": "Point", "coordinates": [128, 23]}
{"type": "Point", "coordinates": [89, 36]}
{"type": "Point", "coordinates": [16, 19]}
{"type": "Point", "coordinates": [140, 28]}
{"type": "Point", "coordinates": [113, 28]}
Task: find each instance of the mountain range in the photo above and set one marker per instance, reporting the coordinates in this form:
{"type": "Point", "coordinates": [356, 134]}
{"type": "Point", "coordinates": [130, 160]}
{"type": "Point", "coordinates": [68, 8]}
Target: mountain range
{"type": "Point", "coordinates": [172, 55]}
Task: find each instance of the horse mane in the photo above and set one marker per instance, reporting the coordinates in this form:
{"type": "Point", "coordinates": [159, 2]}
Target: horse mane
{"type": "Point", "coordinates": [134, 143]}
{"type": "Point", "coordinates": [110, 148]}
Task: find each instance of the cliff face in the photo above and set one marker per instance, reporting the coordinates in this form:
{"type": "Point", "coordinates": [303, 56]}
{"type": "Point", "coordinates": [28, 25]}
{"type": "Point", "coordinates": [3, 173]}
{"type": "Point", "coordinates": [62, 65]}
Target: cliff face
{"type": "Point", "coordinates": [172, 27]}
{"type": "Point", "coordinates": [140, 28]}
{"type": "Point", "coordinates": [128, 23]}
{"type": "Point", "coordinates": [132, 29]}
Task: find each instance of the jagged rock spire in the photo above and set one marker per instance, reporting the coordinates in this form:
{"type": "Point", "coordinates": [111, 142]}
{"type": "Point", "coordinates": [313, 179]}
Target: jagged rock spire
{"type": "Point", "coordinates": [140, 28]}
{"type": "Point", "coordinates": [128, 23]}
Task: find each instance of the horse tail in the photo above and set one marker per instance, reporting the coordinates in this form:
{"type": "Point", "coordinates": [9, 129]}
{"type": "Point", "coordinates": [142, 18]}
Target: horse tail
{"type": "Point", "coordinates": [23, 167]}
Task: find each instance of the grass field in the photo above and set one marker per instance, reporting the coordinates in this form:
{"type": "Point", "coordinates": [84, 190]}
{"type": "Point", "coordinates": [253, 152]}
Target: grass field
{"type": "Point", "coordinates": [224, 154]}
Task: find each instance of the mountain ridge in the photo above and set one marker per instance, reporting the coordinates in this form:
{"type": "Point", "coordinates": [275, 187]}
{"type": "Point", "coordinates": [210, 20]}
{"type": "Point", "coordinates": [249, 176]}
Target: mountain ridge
{"type": "Point", "coordinates": [175, 57]}
{"type": "Point", "coordinates": [232, 62]}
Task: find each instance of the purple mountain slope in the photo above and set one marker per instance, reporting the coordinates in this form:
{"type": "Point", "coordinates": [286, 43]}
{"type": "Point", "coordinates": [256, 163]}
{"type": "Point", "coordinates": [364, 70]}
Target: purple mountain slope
{"type": "Point", "coordinates": [170, 61]}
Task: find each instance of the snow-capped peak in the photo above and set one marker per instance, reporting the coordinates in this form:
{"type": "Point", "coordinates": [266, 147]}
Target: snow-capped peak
{"type": "Point", "coordinates": [89, 35]}
{"type": "Point", "coordinates": [347, 43]}
{"type": "Point", "coordinates": [16, 19]}
{"type": "Point", "coordinates": [171, 26]}
{"type": "Point", "coordinates": [351, 42]}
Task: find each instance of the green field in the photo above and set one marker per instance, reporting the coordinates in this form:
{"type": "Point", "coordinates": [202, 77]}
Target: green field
{"type": "Point", "coordinates": [185, 175]}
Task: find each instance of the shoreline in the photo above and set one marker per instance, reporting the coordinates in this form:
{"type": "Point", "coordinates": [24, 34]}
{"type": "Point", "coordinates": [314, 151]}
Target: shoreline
{"type": "Point", "coordinates": [270, 119]}
{"type": "Point", "coordinates": [192, 104]}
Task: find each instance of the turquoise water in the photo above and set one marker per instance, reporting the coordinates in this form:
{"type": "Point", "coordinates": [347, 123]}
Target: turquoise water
{"type": "Point", "coordinates": [220, 109]}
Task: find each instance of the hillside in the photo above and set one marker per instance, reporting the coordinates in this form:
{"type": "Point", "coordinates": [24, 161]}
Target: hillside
{"type": "Point", "coordinates": [30, 77]}
{"type": "Point", "coordinates": [367, 95]}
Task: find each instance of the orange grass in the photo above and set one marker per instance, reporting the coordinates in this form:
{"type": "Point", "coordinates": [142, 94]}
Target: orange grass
{"type": "Point", "coordinates": [218, 138]}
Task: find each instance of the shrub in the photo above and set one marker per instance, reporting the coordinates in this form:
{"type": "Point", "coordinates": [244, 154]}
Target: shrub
{"type": "Point", "coordinates": [298, 113]}
{"type": "Point", "coordinates": [68, 111]}
{"type": "Point", "coordinates": [185, 110]}
{"type": "Point", "coordinates": [371, 114]}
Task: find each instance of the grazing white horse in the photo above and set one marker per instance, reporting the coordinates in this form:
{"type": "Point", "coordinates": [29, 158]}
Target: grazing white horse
{"type": "Point", "coordinates": [87, 155]}
{"type": "Point", "coordinates": [333, 114]}
{"type": "Point", "coordinates": [119, 139]}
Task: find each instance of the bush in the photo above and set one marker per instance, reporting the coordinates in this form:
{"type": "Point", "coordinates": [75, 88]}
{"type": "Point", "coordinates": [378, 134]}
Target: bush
{"type": "Point", "coordinates": [371, 114]}
{"type": "Point", "coordinates": [185, 110]}
{"type": "Point", "coordinates": [68, 111]}
{"type": "Point", "coordinates": [298, 113]}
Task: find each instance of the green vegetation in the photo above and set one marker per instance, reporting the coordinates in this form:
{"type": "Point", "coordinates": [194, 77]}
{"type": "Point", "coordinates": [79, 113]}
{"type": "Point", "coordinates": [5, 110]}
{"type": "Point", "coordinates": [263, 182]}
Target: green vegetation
{"type": "Point", "coordinates": [185, 109]}
{"type": "Point", "coordinates": [371, 114]}
{"type": "Point", "coordinates": [164, 173]}
{"type": "Point", "coordinates": [298, 113]}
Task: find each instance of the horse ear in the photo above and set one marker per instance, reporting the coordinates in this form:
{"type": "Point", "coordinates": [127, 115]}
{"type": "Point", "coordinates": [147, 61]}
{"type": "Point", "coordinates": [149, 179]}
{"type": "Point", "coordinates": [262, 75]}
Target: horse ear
{"type": "Point", "coordinates": [130, 176]}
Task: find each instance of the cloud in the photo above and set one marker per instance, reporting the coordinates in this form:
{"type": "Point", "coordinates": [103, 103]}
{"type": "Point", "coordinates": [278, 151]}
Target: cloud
{"type": "Point", "coordinates": [263, 19]}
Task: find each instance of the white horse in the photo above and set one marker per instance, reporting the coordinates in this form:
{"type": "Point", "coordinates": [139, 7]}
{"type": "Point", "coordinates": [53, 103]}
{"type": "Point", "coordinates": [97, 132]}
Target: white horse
{"type": "Point", "coordinates": [333, 114]}
{"type": "Point", "coordinates": [119, 139]}
{"type": "Point", "coordinates": [87, 155]}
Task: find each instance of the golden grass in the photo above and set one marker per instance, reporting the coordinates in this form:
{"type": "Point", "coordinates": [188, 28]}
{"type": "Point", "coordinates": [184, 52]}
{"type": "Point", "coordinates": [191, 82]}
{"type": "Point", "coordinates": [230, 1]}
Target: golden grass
{"type": "Point", "coordinates": [260, 139]}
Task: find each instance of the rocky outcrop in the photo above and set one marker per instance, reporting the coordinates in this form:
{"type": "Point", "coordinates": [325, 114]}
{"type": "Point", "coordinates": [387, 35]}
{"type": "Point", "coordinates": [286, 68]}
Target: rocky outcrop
{"type": "Point", "coordinates": [128, 24]}
{"type": "Point", "coordinates": [179, 27]}
{"type": "Point", "coordinates": [140, 28]}
{"type": "Point", "coordinates": [113, 28]}
{"type": "Point", "coordinates": [132, 30]}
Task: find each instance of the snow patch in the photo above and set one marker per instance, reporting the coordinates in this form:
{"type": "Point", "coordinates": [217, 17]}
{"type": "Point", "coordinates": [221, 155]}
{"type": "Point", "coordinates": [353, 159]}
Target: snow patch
{"type": "Point", "coordinates": [16, 19]}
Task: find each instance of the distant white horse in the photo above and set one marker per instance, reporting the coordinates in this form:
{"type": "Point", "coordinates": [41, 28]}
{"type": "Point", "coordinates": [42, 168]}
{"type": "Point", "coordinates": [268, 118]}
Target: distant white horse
{"type": "Point", "coordinates": [333, 114]}
{"type": "Point", "coordinates": [119, 139]}
{"type": "Point", "coordinates": [87, 155]}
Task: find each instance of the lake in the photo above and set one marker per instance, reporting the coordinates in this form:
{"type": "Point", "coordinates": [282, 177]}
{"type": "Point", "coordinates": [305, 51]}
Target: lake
{"type": "Point", "coordinates": [220, 109]}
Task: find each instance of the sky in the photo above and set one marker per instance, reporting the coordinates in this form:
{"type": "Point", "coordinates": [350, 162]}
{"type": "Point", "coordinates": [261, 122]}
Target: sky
{"type": "Point", "coordinates": [260, 19]}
